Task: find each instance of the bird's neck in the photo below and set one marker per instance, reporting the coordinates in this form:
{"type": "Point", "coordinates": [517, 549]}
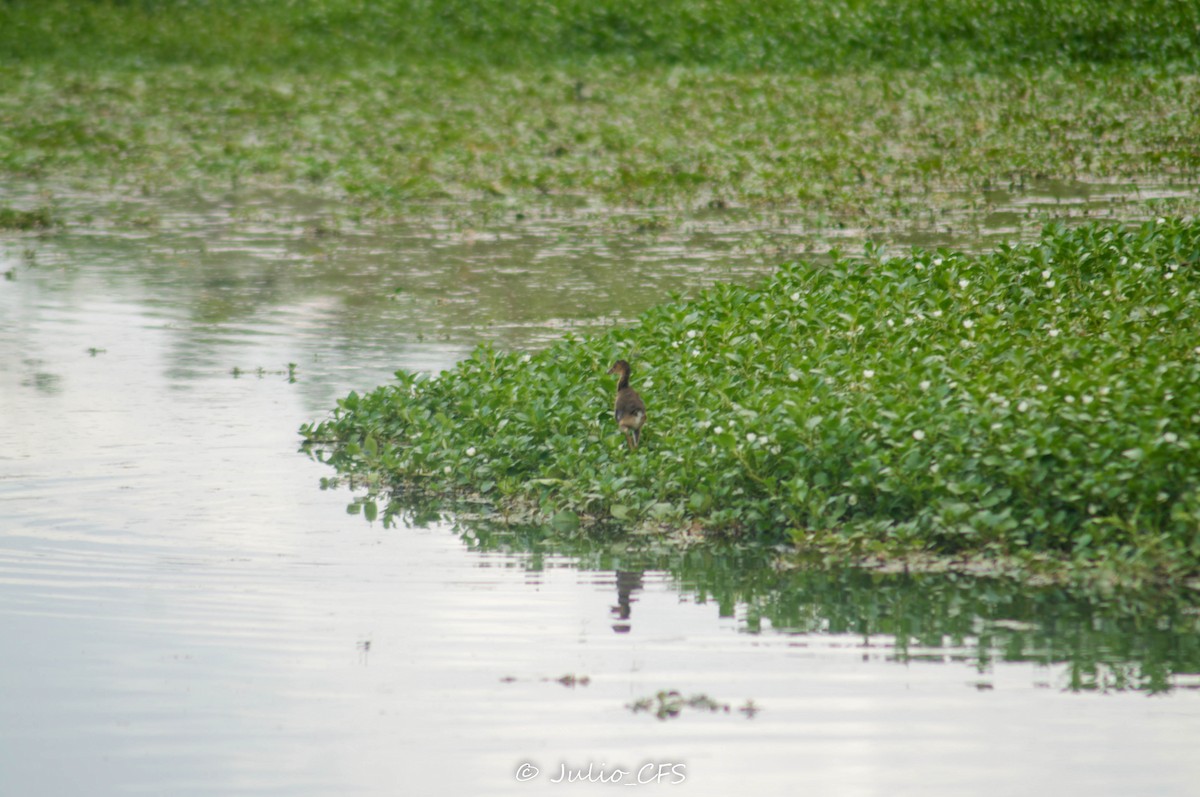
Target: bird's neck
{"type": "Point", "coordinates": [624, 383]}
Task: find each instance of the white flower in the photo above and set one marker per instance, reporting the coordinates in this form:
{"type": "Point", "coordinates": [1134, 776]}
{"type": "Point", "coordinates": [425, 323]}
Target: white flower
{"type": "Point", "coordinates": [1069, 399]}
{"type": "Point", "coordinates": [868, 373]}
{"type": "Point", "coordinates": [446, 470]}
{"type": "Point", "coordinates": [963, 283]}
{"type": "Point", "coordinates": [751, 437]}
{"type": "Point", "coordinates": [925, 383]}
{"type": "Point", "coordinates": [695, 352]}
{"type": "Point", "coordinates": [471, 451]}
{"type": "Point", "coordinates": [718, 430]}
{"type": "Point", "coordinates": [968, 323]}
{"type": "Point", "coordinates": [918, 435]}
{"type": "Point", "coordinates": [937, 261]}
{"type": "Point", "coordinates": [908, 322]}
{"type": "Point", "coordinates": [1170, 437]}
{"type": "Point", "coordinates": [1053, 333]}
{"type": "Point", "coordinates": [692, 333]}
{"type": "Point", "coordinates": [795, 297]}
{"type": "Point", "coordinates": [1046, 274]}
{"type": "Point", "coordinates": [1022, 406]}
{"type": "Point", "coordinates": [1050, 283]}
{"type": "Point", "coordinates": [1086, 399]}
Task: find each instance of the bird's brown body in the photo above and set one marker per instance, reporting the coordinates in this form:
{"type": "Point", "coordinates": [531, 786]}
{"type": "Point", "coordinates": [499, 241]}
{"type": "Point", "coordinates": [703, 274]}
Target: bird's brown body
{"type": "Point", "coordinates": [628, 409]}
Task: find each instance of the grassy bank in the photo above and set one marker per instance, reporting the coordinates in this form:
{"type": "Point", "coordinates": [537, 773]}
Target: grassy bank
{"type": "Point", "coordinates": [1043, 399]}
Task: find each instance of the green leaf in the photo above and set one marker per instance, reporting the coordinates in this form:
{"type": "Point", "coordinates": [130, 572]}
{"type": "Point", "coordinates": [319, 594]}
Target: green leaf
{"type": "Point", "coordinates": [565, 521]}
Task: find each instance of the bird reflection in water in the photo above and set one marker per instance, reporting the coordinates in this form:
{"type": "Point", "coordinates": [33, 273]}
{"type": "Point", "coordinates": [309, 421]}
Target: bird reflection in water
{"type": "Point", "coordinates": [629, 583]}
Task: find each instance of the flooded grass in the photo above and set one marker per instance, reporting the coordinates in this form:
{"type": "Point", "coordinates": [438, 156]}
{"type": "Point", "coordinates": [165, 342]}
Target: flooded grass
{"type": "Point", "coordinates": [886, 154]}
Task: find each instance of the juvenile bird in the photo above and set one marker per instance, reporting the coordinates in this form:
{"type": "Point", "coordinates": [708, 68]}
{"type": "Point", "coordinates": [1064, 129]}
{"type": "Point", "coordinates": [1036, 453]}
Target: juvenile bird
{"type": "Point", "coordinates": [628, 409]}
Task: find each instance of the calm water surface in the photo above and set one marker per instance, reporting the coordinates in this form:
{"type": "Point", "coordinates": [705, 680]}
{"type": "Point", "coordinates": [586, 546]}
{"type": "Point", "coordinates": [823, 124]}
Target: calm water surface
{"type": "Point", "coordinates": [185, 612]}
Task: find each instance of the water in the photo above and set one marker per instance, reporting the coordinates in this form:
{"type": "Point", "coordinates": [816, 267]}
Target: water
{"type": "Point", "coordinates": [185, 612]}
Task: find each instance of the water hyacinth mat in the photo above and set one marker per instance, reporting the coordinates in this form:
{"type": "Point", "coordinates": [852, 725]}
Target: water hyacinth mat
{"type": "Point", "coordinates": [1038, 398]}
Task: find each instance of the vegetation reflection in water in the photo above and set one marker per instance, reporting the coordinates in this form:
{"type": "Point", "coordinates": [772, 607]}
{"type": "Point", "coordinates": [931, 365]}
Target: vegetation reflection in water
{"type": "Point", "coordinates": [1107, 641]}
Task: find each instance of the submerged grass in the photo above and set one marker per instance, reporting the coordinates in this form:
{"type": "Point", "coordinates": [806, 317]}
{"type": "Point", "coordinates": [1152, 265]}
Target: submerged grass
{"type": "Point", "coordinates": [1042, 400]}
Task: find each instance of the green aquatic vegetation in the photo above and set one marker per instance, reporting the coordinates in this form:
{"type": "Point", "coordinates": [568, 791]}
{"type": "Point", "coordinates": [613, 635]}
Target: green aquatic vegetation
{"type": "Point", "coordinates": [670, 704]}
{"type": "Point", "coordinates": [878, 149]}
{"type": "Point", "coordinates": [893, 117]}
{"type": "Point", "coordinates": [1042, 399]}
{"type": "Point", "coordinates": [829, 34]}
{"type": "Point", "coordinates": [42, 218]}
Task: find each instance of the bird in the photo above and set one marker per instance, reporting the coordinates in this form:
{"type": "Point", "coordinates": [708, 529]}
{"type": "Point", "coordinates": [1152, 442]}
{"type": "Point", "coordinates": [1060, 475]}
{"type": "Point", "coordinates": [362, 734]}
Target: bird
{"type": "Point", "coordinates": [628, 409]}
